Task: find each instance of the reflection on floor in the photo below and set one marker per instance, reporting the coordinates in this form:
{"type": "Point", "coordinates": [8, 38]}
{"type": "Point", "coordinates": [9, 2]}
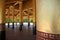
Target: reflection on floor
{"type": "Point", "coordinates": [16, 34]}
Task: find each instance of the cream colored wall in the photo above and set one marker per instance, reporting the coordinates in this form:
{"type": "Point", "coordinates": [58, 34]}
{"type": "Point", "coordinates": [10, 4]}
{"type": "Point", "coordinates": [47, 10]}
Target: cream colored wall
{"type": "Point", "coordinates": [48, 16]}
{"type": "Point", "coordinates": [1, 10]}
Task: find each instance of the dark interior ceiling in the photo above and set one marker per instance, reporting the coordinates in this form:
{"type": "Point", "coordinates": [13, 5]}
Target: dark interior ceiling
{"type": "Point", "coordinates": [13, 1]}
{"type": "Point", "coordinates": [16, 0]}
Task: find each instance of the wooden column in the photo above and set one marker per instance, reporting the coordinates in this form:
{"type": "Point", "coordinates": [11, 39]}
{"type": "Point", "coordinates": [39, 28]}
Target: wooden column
{"type": "Point", "coordinates": [2, 20]}
{"type": "Point", "coordinates": [34, 16]}
{"type": "Point", "coordinates": [7, 16]}
{"type": "Point", "coordinates": [28, 18]}
{"type": "Point", "coordinates": [16, 16]}
{"type": "Point", "coordinates": [11, 14]}
{"type": "Point", "coordinates": [21, 15]}
{"type": "Point", "coordinates": [29, 11]}
{"type": "Point", "coordinates": [34, 11]}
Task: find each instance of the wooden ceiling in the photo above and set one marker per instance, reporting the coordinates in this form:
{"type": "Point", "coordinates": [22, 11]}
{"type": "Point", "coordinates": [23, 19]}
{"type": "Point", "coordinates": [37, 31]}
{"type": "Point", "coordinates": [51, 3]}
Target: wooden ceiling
{"type": "Point", "coordinates": [8, 2]}
{"type": "Point", "coordinates": [11, 2]}
{"type": "Point", "coordinates": [16, 0]}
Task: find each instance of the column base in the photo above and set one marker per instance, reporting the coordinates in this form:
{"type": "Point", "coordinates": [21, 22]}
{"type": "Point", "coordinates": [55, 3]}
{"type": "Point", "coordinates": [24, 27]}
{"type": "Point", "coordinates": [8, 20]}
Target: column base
{"type": "Point", "coordinates": [20, 28]}
{"type": "Point", "coordinates": [47, 36]}
{"type": "Point", "coordinates": [13, 26]}
{"type": "Point", "coordinates": [28, 24]}
{"type": "Point", "coordinates": [8, 24]}
{"type": "Point", "coordinates": [34, 29]}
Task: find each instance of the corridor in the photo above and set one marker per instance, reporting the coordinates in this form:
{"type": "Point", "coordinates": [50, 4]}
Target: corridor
{"type": "Point", "coordinates": [14, 13]}
{"type": "Point", "coordinates": [38, 19]}
{"type": "Point", "coordinates": [16, 34]}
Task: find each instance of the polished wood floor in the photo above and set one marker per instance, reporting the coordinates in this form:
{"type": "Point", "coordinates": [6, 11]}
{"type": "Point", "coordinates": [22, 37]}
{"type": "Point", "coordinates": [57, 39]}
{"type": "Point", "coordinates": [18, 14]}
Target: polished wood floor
{"type": "Point", "coordinates": [16, 34]}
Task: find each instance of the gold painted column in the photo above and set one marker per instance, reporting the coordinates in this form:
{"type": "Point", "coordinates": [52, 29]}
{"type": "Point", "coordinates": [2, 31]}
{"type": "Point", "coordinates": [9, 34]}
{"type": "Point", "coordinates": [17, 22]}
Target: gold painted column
{"type": "Point", "coordinates": [28, 18]}
{"type": "Point", "coordinates": [11, 14]}
{"type": "Point", "coordinates": [48, 19]}
{"type": "Point", "coordinates": [34, 11]}
{"type": "Point", "coordinates": [7, 16]}
{"type": "Point", "coordinates": [21, 15]}
{"type": "Point", "coordinates": [34, 16]}
{"type": "Point", "coordinates": [2, 22]}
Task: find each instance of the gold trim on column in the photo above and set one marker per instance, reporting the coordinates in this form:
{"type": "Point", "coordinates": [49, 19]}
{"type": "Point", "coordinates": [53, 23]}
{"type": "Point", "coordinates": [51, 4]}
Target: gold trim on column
{"type": "Point", "coordinates": [34, 11]}
{"type": "Point", "coordinates": [20, 8]}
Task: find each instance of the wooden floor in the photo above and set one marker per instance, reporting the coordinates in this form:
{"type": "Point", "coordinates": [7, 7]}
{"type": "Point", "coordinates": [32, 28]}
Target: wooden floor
{"type": "Point", "coordinates": [16, 34]}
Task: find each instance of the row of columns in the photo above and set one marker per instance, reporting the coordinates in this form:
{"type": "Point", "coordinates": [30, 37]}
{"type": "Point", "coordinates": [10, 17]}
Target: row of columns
{"type": "Point", "coordinates": [2, 17]}
{"type": "Point", "coordinates": [20, 14]}
{"type": "Point", "coordinates": [12, 13]}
